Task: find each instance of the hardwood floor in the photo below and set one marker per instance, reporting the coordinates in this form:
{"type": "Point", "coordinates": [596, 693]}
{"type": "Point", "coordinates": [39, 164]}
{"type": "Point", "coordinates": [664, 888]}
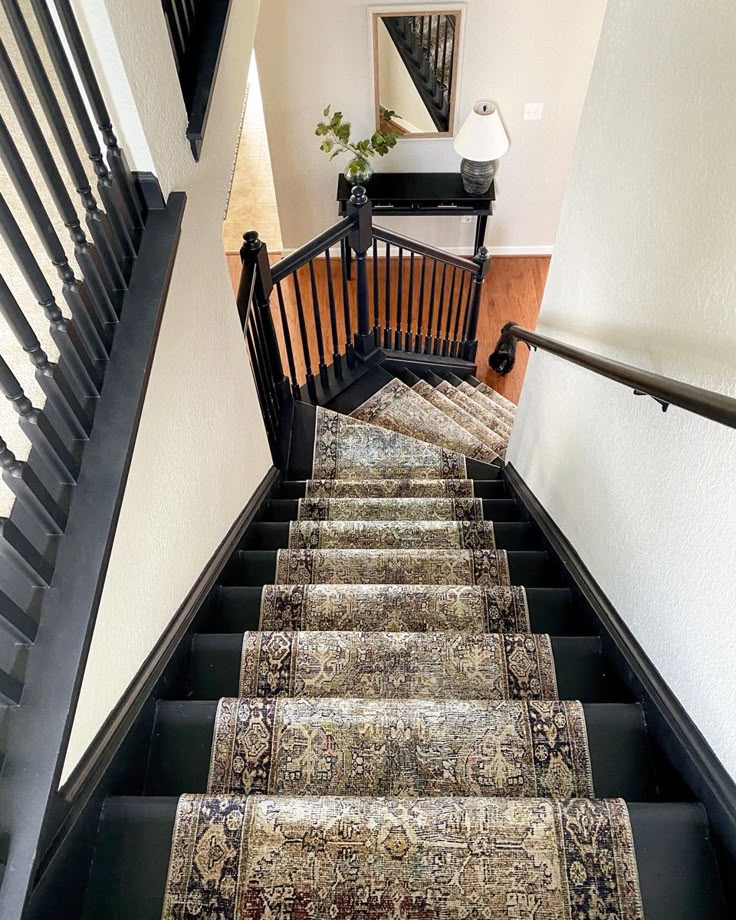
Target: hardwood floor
{"type": "Point", "coordinates": [513, 291]}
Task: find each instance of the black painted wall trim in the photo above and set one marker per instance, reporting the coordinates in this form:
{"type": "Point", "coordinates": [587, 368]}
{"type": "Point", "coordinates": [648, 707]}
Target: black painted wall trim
{"type": "Point", "coordinates": [115, 762]}
{"type": "Point", "coordinates": [669, 724]}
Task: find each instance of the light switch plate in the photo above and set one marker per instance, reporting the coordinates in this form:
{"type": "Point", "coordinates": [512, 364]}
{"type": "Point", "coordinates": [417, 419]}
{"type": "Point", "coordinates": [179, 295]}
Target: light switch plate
{"type": "Point", "coordinates": [533, 111]}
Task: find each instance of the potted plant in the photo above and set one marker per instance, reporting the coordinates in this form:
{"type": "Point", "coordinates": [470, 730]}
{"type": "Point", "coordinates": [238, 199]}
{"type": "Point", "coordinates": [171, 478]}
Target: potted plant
{"type": "Point", "coordinates": [336, 134]}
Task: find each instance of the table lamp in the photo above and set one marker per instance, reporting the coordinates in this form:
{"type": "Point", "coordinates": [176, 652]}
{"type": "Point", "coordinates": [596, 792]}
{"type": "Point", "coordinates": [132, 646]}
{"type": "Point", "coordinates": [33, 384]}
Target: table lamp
{"type": "Point", "coordinates": [480, 141]}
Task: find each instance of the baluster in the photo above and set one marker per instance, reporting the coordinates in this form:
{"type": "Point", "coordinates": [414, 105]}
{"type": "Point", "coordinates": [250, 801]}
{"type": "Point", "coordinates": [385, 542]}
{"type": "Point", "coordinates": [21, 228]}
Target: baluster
{"type": "Point", "coordinates": [109, 191]}
{"type": "Point", "coordinates": [410, 304]}
{"type": "Point", "coordinates": [443, 70]}
{"type": "Point", "coordinates": [450, 306]}
{"type": "Point", "coordinates": [261, 381]}
{"type": "Point", "coordinates": [115, 156]}
{"type": "Point", "coordinates": [109, 258]}
{"type": "Point", "coordinates": [50, 376]}
{"type": "Point", "coordinates": [349, 347]}
{"type": "Point", "coordinates": [24, 627]}
{"type": "Point", "coordinates": [336, 359]}
{"type": "Point", "coordinates": [470, 345]}
{"type": "Point", "coordinates": [176, 32]}
{"type": "Point", "coordinates": [451, 66]}
{"type": "Point", "coordinates": [304, 337]}
{"type": "Point", "coordinates": [376, 294]}
{"type": "Point", "coordinates": [71, 347]}
{"type": "Point", "coordinates": [428, 336]}
{"type": "Point", "coordinates": [37, 428]}
{"type": "Point", "coordinates": [436, 62]}
{"type": "Point", "coordinates": [323, 376]}
{"type": "Point", "coordinates": [440, 312]}
{"type": "Point", "coordinates": [287, 341]}
{"type": "Point", "coordinates": [399, 296]}
{"type": "Point", "coordinates": [30, 491]}
{"type": "Point", "coordinates": [387, 300]}
{"type": "Point", "coordinates": [463, 305]}
{"type": "Point", "coordinates": [86, 254]}
{"type": "Point", "coordinates": [18, 551]}
{"type": "Point", "coordinates": [261, 337]}
{"type": "Point", "coordinates": [420, 317]}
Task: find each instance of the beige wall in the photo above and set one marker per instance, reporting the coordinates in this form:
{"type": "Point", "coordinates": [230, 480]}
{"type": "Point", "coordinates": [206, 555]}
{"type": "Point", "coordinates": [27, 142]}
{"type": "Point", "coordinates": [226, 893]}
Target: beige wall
{"type": "Point", "coordinates": [201, 449]}
{"type": "Point", "coordinates": [314, 52]}
{"type": "Point", "coordinates": [644, 271]}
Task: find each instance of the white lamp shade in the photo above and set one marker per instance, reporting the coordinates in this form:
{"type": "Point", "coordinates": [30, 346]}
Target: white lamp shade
{"type": "Point", "coordinates": [482, 136]}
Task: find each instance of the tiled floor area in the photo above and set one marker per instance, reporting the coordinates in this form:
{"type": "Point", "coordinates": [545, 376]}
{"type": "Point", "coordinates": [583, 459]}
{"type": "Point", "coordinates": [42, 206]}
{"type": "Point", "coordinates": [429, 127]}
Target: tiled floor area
{"type": "Point", "coordinates": [252, 204]}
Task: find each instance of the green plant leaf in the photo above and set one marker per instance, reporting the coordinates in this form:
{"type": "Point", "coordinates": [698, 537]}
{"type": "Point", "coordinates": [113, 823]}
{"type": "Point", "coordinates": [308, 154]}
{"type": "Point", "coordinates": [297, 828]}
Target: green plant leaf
{"type": "Point", "coordinates": [326, 111]}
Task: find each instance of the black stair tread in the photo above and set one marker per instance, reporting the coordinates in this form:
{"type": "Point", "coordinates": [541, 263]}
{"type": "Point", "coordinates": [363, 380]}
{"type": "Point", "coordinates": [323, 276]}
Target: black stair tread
{"type": "Point", "coordinates": [579, 662]}
{"type": "Point", "coordinates": [619, 751]}
{"type": "Point", "coordinates": [677, 871]}
{"type": "Point", "coordinates": [485, 489]}
{"type": "Point", "coordinates": [494, 509]}
{"type": "Point", "coordinates": [360, 391]}
{"type": "Point", "coordinates": [533, 569]}
{"type": "Point", "coordinates": [509, 535]}
{"type": "Point", "coordinates": [302, 449]}
{"type": "Point", "coordinates": [551, 610]}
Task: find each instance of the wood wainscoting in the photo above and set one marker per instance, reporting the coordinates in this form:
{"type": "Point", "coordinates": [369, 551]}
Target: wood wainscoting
{"type": "Point", "coordinates": [513, 292]}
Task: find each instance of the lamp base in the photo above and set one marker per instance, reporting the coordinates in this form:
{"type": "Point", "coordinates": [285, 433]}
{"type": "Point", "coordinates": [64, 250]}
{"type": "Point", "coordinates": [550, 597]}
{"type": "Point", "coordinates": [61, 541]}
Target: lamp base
{"type": "Point", "coordinates": [477, 175]}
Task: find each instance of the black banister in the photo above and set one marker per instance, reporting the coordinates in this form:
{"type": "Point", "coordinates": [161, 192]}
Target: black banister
{"type": "Point", "coordinates": [714, 406]}
{"type": "Point", "coordinates": [312, 249]}
{"type": "Point", "coordinates": [423, 249]}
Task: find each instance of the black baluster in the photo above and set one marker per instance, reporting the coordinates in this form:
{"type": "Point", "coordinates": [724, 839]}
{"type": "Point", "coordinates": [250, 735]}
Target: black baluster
{"type": "Point", "coordinates": [287, 341]}
{"type": "Point", "coordinates": [349, 347]}
{"type": "Point", "coordinates": [85, 254]}
{"type": "Point", "coordinates": [50, 376]}
{"type": "Point", "coordinates": [115, 156]}
{"type": "Point", "coordinates": [109, 258]}
{"type": "Point", "coordinates": [177, 35]}
{"type": "Point", "coordinates": [64, 333]}
{"type": "Point", "coordinates": [433, 290]}
{"type": "Point", "coordinates": [304, 337]}
{"type": "Point", "coordinates": [18, 551]}
{"type": "Point", "coordinates": [37, 428]}
{"type": "Point", "coordinates": [387, 300]}
{"type": "Point", "coordinates": [451, 65]}
{"type": "Point", "coordinates": [258, 325]}
{"type": "Point", "coordinates": [360, 239]}
{"type": "Point", "coordinates": [30, 491]}
{"type": "Point", "coordinates": [410, 304]}
{"type": "Point", "coordinates": [24, 627]}
{"type": "Point", "coordinates": [463, 301]}
{"type": "Point", "coordinates": [450, 307]}
{"type": "Point", "coordinates": [399, 297]}
{"type": "Point", "coordinates": [376, 294]}
{"type": "Point", "coordinates": [443, 70]}
{"type": "Point", "coordinates": [420, 316]}
{"type": "Point", "coordinates": [336, 359]}
{"type": "Point", "coordinates": [110, 192]}
{"type": "Point", "coordinates": [440, 312]}
{"type": "Point", "coordinates": [470, 344]}
{"type": "Point", "coordinates": [261, 379]}
{"type": "Point", "coordinates": [323, 376]}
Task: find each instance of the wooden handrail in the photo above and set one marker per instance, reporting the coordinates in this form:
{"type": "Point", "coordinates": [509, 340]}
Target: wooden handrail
{"type": "Point", "coordinates": [668, 392]}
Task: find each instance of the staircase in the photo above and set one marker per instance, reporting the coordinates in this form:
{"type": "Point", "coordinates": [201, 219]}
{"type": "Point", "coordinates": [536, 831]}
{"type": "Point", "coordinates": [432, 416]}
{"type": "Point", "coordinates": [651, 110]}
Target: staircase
{"type": "Point", "coordinates": [398, 707]}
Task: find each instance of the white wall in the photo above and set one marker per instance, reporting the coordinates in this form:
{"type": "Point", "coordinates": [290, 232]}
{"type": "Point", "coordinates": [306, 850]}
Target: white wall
{"type": "Point", "coordinates": [644, 271]}
{"type": "Point", "coordinates": [201, 448]}
{"type": "Point", "coordinates": [314, 52]}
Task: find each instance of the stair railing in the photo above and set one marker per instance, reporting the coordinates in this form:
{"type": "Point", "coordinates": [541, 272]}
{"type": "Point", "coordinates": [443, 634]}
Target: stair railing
{"type": "Point", "coordinates": [59, 457]}
{"type": "Point", "coordinates": [309, 328]}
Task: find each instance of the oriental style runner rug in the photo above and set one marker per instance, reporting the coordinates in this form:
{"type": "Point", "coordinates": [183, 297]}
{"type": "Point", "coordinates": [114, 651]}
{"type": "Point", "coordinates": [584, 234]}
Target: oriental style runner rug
{"type": "Point", "coordinates": [389, 488]}
{"type": "Point", "coordinates": [491, 417]}
{"type": "Point", "coordinates": [390, 535]}
{"type": "Point", "coordinates": [400, 509]}
{"type": "Point", "coordinates": [469, 420]}
{"type": "Point", "coordinates": [249, 857]}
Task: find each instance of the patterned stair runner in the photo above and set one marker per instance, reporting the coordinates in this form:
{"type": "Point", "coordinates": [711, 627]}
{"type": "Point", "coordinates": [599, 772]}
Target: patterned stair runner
{"type": "Point", "coordinates": [391, 535]}
{"type": "Point", "coordinates": [493, 418]}
{"type": "Point", "coordinates": [389, 488]}
{"type": "Point", "coordinates": [469, 420]}
{"type": "Point", "coordinates": [399, 509]}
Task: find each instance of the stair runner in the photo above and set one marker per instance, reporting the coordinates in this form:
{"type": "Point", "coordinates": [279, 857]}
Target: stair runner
{"type": "Point", "coordinates": [398, 747]}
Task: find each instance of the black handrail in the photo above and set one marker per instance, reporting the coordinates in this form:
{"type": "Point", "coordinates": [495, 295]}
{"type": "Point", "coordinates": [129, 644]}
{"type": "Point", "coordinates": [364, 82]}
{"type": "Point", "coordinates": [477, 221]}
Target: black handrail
{"type": "Point", "coordinates": [423, 249]}
{"type": "Point", "coordinates": [668, 392]}
{"type": "Point", "coordinates": [315, 247]}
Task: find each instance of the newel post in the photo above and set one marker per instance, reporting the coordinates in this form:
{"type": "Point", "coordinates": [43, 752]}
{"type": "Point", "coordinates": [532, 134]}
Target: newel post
{"type": "Point", "coordinates": [360, 240]}
{"type": "Point", "coordinates": [256, 276]}
{"type": "Point", "coordinates": [482, 259]}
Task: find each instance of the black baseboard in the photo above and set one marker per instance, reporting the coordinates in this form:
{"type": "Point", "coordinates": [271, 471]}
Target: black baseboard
{"type": "Point", "coordinates": [115, 762]}
{"type": "Point", "coordinates": [669, 725]}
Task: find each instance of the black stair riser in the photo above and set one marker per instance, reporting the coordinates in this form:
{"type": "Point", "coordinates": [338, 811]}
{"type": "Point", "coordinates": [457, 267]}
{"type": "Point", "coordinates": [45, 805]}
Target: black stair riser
{"type": "Point", "coordinates": [551, 610]}
{"type": "Point", "coordinates": [258, 567]}
{"type": "Point", "coordinates": [676, 866]}
{"type": "Point", "coordinates": [505, 509]}
{"type": "Point", "coordinates": [619, 751]}
{"type": "Point", "coordinates": [361, 391]}
{"type": "Point", "coordinates": [491, 488]}
{"type": "Point", "coordinates": [581, 671]}
{"type": "Point", "coordinates": [517, 535]}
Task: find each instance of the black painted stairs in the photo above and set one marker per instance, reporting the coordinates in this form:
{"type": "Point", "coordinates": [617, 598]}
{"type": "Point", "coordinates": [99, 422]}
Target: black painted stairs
{"type": "Point", "coordinates": [678, 875]}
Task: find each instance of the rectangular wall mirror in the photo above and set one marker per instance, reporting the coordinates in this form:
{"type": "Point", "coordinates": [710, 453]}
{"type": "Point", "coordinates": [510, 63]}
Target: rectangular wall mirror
{"type": "Point", "coordinates": [416, 59]}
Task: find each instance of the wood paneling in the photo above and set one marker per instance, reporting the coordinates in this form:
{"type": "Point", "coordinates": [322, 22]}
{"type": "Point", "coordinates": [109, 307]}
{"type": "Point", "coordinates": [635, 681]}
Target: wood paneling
{"type": "Point", "coordinates": [513, 291]}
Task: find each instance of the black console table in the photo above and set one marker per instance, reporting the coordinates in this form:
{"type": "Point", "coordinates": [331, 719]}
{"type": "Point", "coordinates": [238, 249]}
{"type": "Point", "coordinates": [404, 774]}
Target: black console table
{"type": "Point", "coordinates": [407, 194]}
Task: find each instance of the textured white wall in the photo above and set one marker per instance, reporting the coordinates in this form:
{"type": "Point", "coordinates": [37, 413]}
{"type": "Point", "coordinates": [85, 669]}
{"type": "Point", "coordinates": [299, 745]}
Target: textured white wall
{"type": "Point", "coordinates": [644, 271]}
{"type": "Point", "coordinates": [311, 52]}
{"type": "Point", "coordinates": [201, 448]}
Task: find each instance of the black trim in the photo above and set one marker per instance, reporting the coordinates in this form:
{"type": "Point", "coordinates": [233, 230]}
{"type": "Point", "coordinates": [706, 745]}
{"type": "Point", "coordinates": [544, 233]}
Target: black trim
{"type": "Point", "coordinates": [684, 746]}
{"type": "Point", "coordinates": [204, 65]}
{"type": "Point", "coordinates": [115, 762]}
{"type": "Point", "coordinates": [149, 190]}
